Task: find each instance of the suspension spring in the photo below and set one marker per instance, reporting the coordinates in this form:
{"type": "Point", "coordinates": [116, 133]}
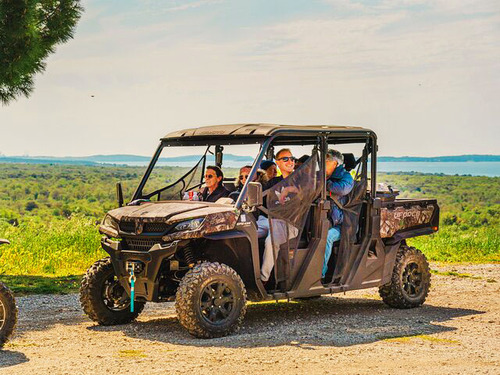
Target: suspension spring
{"type": "Point", "coordinates": [188, 255]}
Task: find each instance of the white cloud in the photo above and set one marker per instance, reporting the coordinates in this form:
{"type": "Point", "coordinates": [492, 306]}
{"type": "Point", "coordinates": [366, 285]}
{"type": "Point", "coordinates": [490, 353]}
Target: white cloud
{"type": "Point", "coordinates": [426, 84]}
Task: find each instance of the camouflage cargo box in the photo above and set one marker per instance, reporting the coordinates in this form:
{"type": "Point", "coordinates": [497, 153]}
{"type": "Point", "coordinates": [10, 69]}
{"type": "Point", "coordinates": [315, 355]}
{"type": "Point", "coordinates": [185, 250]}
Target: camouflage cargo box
{"type": "Point", "coordinates": [404, 215]}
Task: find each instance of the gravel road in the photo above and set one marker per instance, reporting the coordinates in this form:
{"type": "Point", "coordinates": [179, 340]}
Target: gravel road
{"type": "Point", "coordinates": [456, 332]}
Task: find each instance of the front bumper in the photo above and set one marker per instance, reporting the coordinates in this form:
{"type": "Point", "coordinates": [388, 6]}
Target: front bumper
{"type": "Point", "coordinates": [146, 284]}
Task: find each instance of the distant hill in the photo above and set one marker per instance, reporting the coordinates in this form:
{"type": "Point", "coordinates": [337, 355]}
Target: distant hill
{"type": "Point", "coordinates": [116, 159]}
{"type": "Point", "coordinates": [459, 158]}
{"type": "Point", "coordinates": [44, 160]}
{"type": "Point", "coordinates": [126, 159]}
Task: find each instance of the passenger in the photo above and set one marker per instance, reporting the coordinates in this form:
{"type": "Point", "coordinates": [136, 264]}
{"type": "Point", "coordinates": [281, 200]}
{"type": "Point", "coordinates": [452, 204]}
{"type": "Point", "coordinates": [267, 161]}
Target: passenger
{"type": "Point", "coordinates": [269, 167]}
{"type": "Point", "coordinates": [339, 183]}
{"type": "Point", "coordinates": [214, 188]}
{"type": "Point", "coordinates": [286, 164]}
{"type": "Point", "coordinates": [261, 177]}
{"type": "Point", "coordinates": [240, 181]}
{"type": "Point", "coordinates": [301, 161]}
{"type": "Point", "coordinates": [243, 176]}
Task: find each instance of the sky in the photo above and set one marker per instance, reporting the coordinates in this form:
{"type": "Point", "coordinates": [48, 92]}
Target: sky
{"type": "Point", "coordinates": [423, 74]}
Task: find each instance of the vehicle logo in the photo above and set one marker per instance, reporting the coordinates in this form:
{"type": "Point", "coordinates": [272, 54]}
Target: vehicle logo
{"type": "Point", "coordinates": [138, 227]}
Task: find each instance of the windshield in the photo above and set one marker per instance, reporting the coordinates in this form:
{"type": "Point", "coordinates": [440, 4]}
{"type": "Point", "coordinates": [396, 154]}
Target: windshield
{"type": "Point", "coordinates": [179, 172]}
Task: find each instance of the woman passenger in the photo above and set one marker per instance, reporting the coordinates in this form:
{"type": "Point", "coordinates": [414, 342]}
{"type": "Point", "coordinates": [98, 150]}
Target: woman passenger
{"type": "Point", "coordinates": [242, 179]}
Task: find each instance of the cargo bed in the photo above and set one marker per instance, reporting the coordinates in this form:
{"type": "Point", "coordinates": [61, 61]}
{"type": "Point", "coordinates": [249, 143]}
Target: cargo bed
{"type": "Point", "coordinates": [404, 218]}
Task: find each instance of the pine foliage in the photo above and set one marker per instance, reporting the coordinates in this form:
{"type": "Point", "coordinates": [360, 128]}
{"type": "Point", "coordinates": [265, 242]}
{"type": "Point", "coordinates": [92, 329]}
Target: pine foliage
{"type": "Point", "coordinates": [29, 32]}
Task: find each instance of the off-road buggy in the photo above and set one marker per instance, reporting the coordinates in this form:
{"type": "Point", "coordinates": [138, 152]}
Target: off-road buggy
{"type": "Point", "coordinates": [207, 256]}
{"type": "Point", "coordinates": [8, 310]}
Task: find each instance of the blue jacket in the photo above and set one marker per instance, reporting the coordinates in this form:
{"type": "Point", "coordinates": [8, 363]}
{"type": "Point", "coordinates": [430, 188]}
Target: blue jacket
{"type": "Point", "coordinates": [338, 185]}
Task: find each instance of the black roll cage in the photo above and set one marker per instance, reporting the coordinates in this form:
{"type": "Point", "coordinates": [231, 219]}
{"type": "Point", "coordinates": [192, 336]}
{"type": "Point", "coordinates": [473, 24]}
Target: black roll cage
{"type": "Point", "coordinates": [268, 143]}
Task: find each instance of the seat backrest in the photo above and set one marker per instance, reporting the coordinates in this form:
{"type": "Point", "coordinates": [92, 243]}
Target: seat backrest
{"type": "Point", "coordinates": [229, 185]}
{"type": "Point", "coordinates": [349, 162]}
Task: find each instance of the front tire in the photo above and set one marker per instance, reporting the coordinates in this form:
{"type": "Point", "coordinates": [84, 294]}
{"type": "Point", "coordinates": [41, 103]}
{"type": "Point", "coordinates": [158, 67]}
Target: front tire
{"type": "Point", "coordinates": [410, 281]}
{"type": "Point", "coordinates": [211, 300]}
{"type": "Point", "coordinates": [102, 297]}
{"type": "Point", "coordinates": [8, 314]}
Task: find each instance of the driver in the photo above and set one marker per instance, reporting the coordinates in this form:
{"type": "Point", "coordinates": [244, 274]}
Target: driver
{"type": "Point", "coordinates": [213, 185]}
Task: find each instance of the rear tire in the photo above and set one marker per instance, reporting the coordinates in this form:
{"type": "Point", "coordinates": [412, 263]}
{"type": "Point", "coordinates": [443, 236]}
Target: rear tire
{"type": "Point", "coordinates": [410, 281]}
{"type": "Point", "coordinates": [102, 297]}
{"type": "Point", "coordinates": [211, 300]}
{"type": "Point", "coordinates": [8, 314]}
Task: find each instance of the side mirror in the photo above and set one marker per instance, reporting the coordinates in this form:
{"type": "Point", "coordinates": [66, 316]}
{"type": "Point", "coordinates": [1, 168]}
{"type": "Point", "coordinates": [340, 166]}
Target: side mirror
{"type": "Point", "coordinates": [254, 194]}
{"type": "Point", "coordinates": [119, 194]}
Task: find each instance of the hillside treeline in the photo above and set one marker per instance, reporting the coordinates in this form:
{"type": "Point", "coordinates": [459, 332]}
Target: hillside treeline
{"type": "Point", "coordinates": [50, 212]}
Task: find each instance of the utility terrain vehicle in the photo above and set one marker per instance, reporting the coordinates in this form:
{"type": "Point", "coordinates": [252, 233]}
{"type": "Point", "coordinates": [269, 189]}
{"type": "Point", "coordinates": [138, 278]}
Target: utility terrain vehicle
{"type": "Point", "coordinates": [207, 256]}
{"type": "Point", "coordinates": [8, 310]}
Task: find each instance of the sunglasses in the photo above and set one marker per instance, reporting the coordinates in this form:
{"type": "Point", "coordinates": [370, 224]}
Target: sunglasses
{"type": "Point", "coordinates": [287, 158]}
{"type": "Point", "coordinates": [243, 176]}
{"type": "Point", "coordinates": [209, 176]}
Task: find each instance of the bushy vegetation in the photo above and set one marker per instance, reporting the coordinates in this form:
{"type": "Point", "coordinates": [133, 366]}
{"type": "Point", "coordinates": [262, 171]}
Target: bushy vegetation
{"type": "Point", "coordinates": [50, 213]}
{"type": "Point", "coordinates": [470, 215]}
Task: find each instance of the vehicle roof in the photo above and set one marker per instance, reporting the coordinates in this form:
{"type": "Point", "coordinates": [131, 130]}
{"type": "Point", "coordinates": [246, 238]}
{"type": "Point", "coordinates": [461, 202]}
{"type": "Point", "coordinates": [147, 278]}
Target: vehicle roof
{"type": "Point", "coordinates": [258, 130]}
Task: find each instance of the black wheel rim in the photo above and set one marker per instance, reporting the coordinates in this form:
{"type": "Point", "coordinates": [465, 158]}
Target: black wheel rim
{"type": "Point", "coordinates": [3, 314]}
{"type": "Point", "coordinates": [412, 280]}
{"type": "Point", "coordinates": [114, 295]}
{"type": "Point", "coordinates": [217, 302]}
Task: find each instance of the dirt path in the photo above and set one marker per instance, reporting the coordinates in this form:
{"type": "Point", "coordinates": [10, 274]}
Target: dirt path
{"type": "Point", "coordinates": [456, 332]}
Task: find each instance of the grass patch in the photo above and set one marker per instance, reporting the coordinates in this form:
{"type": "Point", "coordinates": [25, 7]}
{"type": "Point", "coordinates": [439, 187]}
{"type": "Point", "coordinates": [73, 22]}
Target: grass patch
{"type": "Point", "coordinates": [412, 338]}
{"type": "Point", "coordinates": [456, 274]}
{"type": "Point", "coordinates": [60, 247]}
{"type": "Point", "coordinates": [24, 285]}
{"type": "Point", "coordinates": [131, 354]}
{"type": "Point", "coordinates": [21, 344]}
{"type": "Point", "coordinates": [273, 302]}
{"type": "Point", "coordinates": [453, 244]}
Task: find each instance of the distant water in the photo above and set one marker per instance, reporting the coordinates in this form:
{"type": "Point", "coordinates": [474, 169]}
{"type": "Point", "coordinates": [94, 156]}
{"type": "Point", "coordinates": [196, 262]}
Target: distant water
{"type": "Point", "coordinates": [230, 164]}
{"type": "Point", "coordinates": [479, 168]}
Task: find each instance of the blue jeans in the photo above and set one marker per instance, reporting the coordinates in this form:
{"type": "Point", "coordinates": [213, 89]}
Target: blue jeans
{"type": "Point", "coordinates": [262, 226]}
{"type": "Point", "coordinates": [333, 235]}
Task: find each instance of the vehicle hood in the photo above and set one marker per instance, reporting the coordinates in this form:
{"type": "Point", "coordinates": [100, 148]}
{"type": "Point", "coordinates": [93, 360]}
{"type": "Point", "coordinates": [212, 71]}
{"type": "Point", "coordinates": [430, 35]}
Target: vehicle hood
{"type": "Point", "coordinates": [169, 212]}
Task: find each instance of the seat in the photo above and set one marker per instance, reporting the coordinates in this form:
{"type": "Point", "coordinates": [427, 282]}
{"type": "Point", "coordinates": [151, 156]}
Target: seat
{"type": "Point", "coordinates": [229, 185]}
{"type": "Point", "coordinates": [349, 162]}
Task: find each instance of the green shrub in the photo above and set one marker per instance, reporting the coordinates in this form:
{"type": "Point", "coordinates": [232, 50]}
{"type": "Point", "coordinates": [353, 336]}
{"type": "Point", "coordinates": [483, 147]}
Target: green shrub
{"type": "Point", "coordinates": [58, 247]}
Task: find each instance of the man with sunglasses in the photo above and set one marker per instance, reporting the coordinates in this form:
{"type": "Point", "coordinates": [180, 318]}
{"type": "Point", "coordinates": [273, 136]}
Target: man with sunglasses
{"type": "Point", "coordinates": [286, 164]}
{"type": "Point", "coordinates": [213, 185]}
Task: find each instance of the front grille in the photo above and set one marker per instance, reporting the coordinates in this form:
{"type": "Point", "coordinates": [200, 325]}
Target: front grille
{"type": "Point", "coordinates": [139, 244]}
{"type": "Point", "coordinates": [127, 226]}
{"type": "Point", "coordinates": [154, 227]}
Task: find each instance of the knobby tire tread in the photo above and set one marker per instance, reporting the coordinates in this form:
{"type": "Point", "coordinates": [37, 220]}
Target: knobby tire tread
{"type": "Point", "coordinates": [91, 296]}
{"type": "Point", "coordinates": [392, 293]}
{"type": "Point", "coordinates": [11, 314]}
{"type": "Point", "coordinates": [185, 302]}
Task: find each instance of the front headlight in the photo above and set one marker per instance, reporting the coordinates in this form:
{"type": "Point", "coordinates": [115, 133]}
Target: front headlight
{"type": "Point", "coordinates": [189, 225]}
{"type": "Point", "coordinates": [109, 226]}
